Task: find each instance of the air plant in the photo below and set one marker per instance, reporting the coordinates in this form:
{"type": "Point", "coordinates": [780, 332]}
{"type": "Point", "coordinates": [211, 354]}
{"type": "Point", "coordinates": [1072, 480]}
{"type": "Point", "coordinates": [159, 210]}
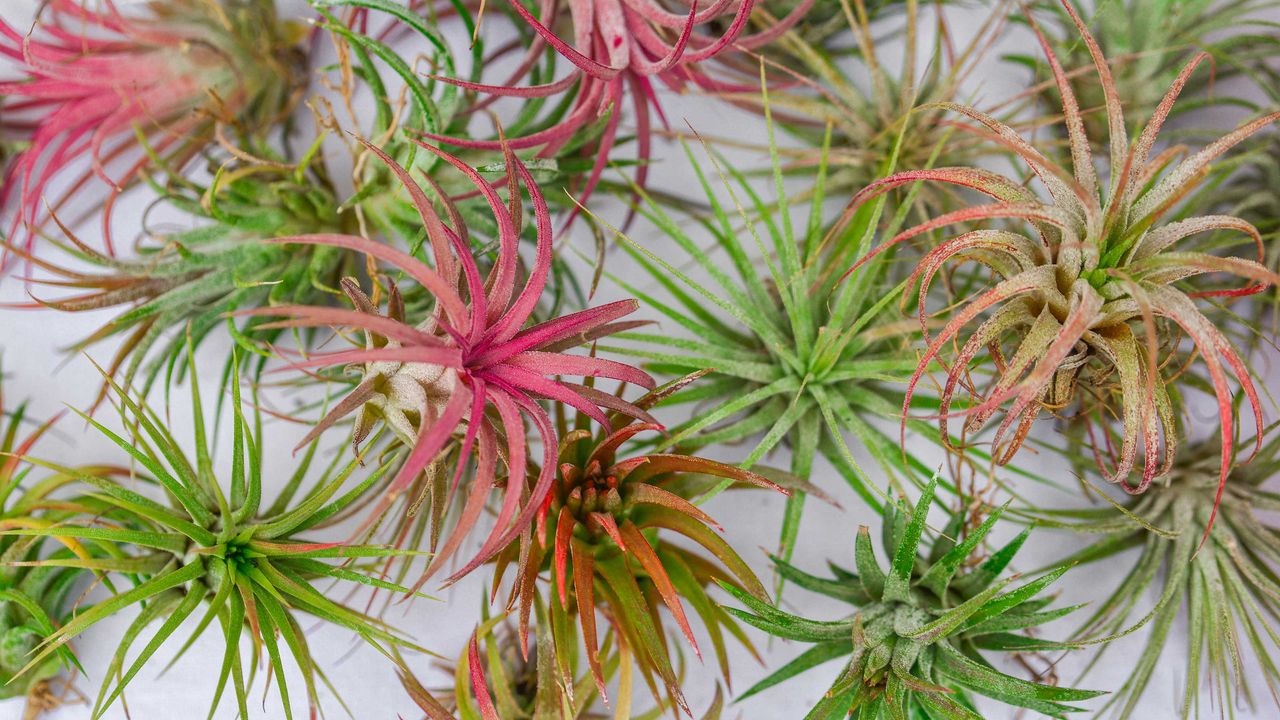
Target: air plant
{"type": "Point", "coordinates": [793, 353]}
{"type": "Point", "coordinates": [472, 365]}
{"type": "Point", "coordinates": [1220, 573]}
{"type": "Point", "coordinates": [210, 551]}
{"type": "Point", "coordinates": [618, 49]}
{"type": "Point", "coordinates": [494, 674]}
{"type": "Point", "coordinates": [33, 601]}
{"type": "Point", "coordinates": [895, 121]}
{"type": "Point", "coordinates": [138, 90]}
{"type": "Point", "coordinates": [915, 644]}
{"type": "Point", "coordinates": [1147, 42]}
{"type": "Point", "coordinates": [604, 535]}
{"type": "Point", "coordinates": [1086, 312]}
{"type": "Point", "coordinates": [498, 673]}
{"type": "Point", "coordinates": [184, 283]}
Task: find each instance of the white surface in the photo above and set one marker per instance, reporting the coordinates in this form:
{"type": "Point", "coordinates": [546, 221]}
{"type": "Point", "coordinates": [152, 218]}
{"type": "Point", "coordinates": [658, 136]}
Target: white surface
{"type": "Point", "coordinates": [32, 344]}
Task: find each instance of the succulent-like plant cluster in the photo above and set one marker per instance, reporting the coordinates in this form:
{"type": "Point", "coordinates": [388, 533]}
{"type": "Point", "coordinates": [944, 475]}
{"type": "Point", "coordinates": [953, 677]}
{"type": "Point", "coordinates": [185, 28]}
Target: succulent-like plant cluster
{"type": "Point", "coordinates": [379, 216]}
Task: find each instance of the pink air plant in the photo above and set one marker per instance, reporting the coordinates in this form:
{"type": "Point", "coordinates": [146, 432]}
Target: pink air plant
{"type": "Point", "coordinates": [117, 90]}
{"type": "Point", "coordinates": [622, 46]}
{"type": "Point", "coordinates": [1088, 308]}
{"type": "Point", "coordinates": [476, 363]}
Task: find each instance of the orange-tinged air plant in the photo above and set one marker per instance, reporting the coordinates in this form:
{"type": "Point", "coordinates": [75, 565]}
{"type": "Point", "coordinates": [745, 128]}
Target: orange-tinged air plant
{"type": "Point", "coordinates": [476, 366]}
{"type": "Point", "coordinates": [128, 90]}
{"type": "Point", "coordinates": [1089, 307]}
{"type": "Point", "coordinates": [603, 540]}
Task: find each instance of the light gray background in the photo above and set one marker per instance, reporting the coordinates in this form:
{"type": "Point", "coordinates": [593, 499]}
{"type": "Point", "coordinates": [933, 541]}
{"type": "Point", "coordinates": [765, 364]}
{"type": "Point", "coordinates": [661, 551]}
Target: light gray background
{"type": "Point", "coordinates": [32, 344]}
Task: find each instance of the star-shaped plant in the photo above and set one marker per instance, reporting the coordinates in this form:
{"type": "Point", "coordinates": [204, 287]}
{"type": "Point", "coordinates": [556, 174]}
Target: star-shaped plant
{"type": "Point", "coordinates": [472, 363]}
{"type": "Point", "coordinates": [209, 551]}
{"type": "Point", "coordinates": [915, 643]}
{"type": "Point", "coordinates": [605, 536]}
{"type": "Point", "coordinates": [111, 88]}
{"type": "Point", "coordinates": [1087, 308]}
{"type": "Point", "coordinates": [794, 353]}
{"type": "Point", "coordinates": [1220, 574]}
{"type": "Point", "coordinates": [185, 283]}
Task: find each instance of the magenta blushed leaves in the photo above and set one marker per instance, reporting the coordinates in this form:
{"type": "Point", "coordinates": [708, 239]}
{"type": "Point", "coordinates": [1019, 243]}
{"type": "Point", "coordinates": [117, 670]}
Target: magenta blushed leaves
{"type": "Point", "coordinates": [476, 366]}
{"type": "Point", "coordinates": [111, 93]}
{"type": "Point", "coordinates": [619, 52]}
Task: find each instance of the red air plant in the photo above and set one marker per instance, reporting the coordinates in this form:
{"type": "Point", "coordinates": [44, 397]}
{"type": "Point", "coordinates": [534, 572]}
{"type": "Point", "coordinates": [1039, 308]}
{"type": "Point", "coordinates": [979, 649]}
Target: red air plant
{"type": "Point", "coordinates": [621, 46]}
{"type": "Point", "coordinates": [603, 538]}
{"type": "Point", "coordinates": [1089, 308]}
{"type": "Point", "coordinates": [117, 89]}
{"type": "Point", "coordinates": [474, 362]}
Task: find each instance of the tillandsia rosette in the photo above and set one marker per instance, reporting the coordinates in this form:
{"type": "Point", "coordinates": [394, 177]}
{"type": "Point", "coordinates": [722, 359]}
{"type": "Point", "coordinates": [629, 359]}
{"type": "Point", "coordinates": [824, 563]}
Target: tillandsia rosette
{"type": "Point", "coordinates": [1147, 42]}
{"type": "Point", "coordinates": [130, 88]}
{"type": "Point", "coordinates": [499, 675]}
{"type": "Point", "coordinates": [915, 646]}
{"type": "Point", "coordinates": [894, 121]}
{"type": "Point", "coordinates": [33, 601]}
{"type": "Point", "coordinates": [794, 353]}
{"type": "Point", "coordinates": [613, 537]}
{"type": "Point", "coordinates": [212, 552]}
{"type": "Point", "coordinates": [618, 53]}
{"type": "Point", "coordinates": [183, 282]}
{"type": "Point", "coordinates": [473, 364]}
{"type": "Point", "coordinates": [1218, 573]}
{"type": "Point", "coordinates": [1084, 312]}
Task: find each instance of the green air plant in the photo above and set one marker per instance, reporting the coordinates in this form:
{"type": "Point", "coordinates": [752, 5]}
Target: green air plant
{"type": "Point", "coordinates": [1084, 313]}
{"type": "Point", "coordinates": [795, 354]}
{"type": "Point", "coordinates": [1220, 574]}
{"type": "Point", "coordinates": [914, 646]}
{"type": "Point", "coordinates": [211, 552]}
{"type": "Point", "coordinates": [1147, 42]}
{"type": "Point", "coordinates": [33, 601]}
{"type": "Point", "coordinates": [893, 122]}
{"type": "Point", "coordinates": [613, 536]}
{"type": "Point", "coordinates": [184, 283]}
